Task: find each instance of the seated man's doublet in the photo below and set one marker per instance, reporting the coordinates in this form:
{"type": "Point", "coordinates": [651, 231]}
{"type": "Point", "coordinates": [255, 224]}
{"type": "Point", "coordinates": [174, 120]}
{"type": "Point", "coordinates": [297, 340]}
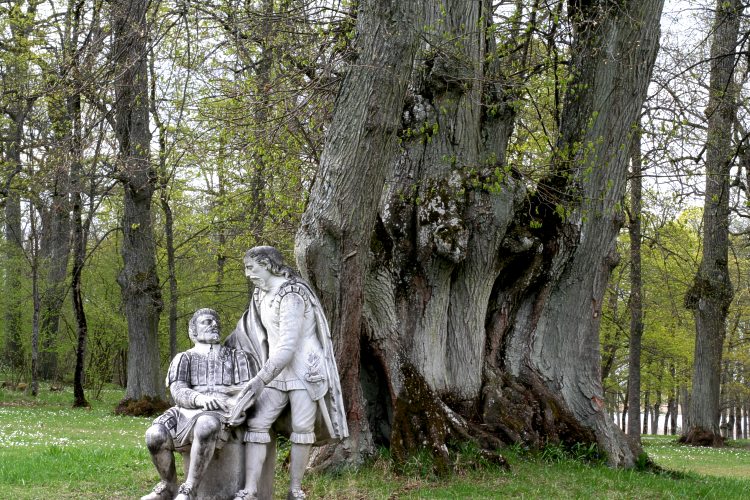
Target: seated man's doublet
{"type": "Point", "coordinates": [192, 374]}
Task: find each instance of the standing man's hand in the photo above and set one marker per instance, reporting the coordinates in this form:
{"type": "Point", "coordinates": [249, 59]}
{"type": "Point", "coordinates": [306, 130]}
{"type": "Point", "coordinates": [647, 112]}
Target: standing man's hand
{"type": "Point", "coordinates": [253, 387]}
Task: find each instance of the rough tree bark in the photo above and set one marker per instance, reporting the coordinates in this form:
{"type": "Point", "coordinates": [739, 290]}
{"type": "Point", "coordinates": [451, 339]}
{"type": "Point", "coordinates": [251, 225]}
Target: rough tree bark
{"type": "Point", "coordinates": [333, 241]}
{"type": "Point", "coordinates": [449, 306]}
{"type": "Point", "coordinates": [138, 279]}
{"type": "Point", "coordinates": [711, 293]}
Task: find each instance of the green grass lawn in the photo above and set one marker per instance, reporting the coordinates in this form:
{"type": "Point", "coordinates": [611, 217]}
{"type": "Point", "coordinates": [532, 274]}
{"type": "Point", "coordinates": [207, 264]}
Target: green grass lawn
{"type": "Point", "coordinates": [731, 461]}
{"type": "Point", "coordinates": [48, 450]}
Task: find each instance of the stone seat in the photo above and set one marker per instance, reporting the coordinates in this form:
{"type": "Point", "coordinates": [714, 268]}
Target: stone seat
{"type": "Point", "coordinates": [225, 475]}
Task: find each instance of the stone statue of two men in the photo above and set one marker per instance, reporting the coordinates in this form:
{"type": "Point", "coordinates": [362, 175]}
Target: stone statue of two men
{"type": "Point", "coordinates": [279, 356]}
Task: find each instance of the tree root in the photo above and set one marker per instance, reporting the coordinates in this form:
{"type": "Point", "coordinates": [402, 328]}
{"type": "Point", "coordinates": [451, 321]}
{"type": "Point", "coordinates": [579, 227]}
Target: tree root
{"type": "Point", "coordinates": [424, 422]}
{"type": "Point", "coordinates": [144, 407]}
{"type": "Point", "coordinates": [698, 436]}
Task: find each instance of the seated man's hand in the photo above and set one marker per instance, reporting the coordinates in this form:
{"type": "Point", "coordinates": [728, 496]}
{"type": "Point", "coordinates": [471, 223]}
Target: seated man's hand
{"type": "Point", "coordinates": [210, 403]}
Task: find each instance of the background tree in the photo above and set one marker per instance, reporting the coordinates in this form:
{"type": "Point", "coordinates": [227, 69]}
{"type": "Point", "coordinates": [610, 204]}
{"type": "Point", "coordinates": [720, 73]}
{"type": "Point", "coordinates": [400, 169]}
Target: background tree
{"type": "Point", "coordinates": [138, 279]}
{"type": "Point", "coordinates": [711, 293]}
{"type": "Point", "coordinates": [636, 301]}
{"type": "Point", "coordinates": [17, 99]}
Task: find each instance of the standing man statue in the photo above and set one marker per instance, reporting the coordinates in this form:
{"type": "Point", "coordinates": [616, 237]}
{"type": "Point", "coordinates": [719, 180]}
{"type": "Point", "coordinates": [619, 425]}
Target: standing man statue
{"type": "Point", "coordinates": [204, 382]}
{"type": "Point", "coordinates": [285, 329]}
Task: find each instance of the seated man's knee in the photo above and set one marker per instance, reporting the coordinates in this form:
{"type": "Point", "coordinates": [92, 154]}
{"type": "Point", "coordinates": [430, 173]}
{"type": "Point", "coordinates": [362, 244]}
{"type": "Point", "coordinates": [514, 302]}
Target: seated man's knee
{"type": "Point", "coordinates": [206, 427]}
{"type": "Point", "coordinates": [157, 438]}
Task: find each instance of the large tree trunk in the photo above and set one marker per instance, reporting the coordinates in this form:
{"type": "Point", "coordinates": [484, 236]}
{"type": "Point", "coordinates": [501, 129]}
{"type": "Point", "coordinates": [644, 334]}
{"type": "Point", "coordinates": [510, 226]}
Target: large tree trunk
{"type": "Point", "coordinates": [551, 312]}
{"type": "Point", "coordinates": [138, 278]}
{"type": "Point", "coordinates": [444, 297]}
{"type": "Point", "coordinates": [711, 292]}
{"type": "Point", "coordinates": [333, 241]}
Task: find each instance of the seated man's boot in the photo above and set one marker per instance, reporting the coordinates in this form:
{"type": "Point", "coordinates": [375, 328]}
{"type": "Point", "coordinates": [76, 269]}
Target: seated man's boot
{"type": "Point", "coordinates": [245, 495]}
{"type": "Point", "coordinates": [295, 494]}
{"type": "Point", "coordinates": [185, 492]}
{"type": "Point", "coordinates": [162, 491]}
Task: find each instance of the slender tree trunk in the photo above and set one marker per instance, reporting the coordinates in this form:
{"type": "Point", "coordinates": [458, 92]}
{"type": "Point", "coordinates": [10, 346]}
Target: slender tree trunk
{"type": "Point", "coordinates": [55, 261]}
{"type": "Point", "coordinates": [711, 293]}
{"type": "Point", "coordinates": [730, 421]}
{"type": "Point", "coordinates": [13, 251]}
{"type": "Point", "coordinates": [64, 110]}
{"type": "Point", "coordinates": [221, 258]}
{"type": "Point", "coordinates": [646, 409]}
{"type": "Point", "coordinates": [738, 421]}
{"type": "Point", "coordinates": [264, 69]}
{"type": "Point", "coordinates": [655, 412]}
{"type": "Point", "coordinates": [685, 408]}
{"type": "Point", "coordinates": [611, 341]}
{"type": "Point", "coordinates": [79, 257]}
{"type": "Point", "coordinates": [54, 257]}
{"type": "Point", "coordinates": [636, 290]}
{"type": "Point", "coordinates": [36, 299]}
{"type": "Point", "coordinates": [164, 198]}
{"type": "Point", "coordinates": [16, 105]}
{"type": "Point", "coordinates": [171, 269]}
{"type": "Point", "coordinates": [79, 239]}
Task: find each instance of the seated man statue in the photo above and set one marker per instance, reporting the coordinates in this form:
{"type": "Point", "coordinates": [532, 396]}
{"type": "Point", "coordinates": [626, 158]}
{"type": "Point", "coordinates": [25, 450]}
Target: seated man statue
{"type": "Point", "coordinates": [204, 382]}
{"type": "Point", "coordinates": [286, 330]}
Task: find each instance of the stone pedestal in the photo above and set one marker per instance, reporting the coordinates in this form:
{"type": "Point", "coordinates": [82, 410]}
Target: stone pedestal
{"type": "Point", "coordinates": [225, 475]}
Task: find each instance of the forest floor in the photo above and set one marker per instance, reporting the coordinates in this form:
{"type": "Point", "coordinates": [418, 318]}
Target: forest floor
{"type": "Point", "coordinates": [49, 450]}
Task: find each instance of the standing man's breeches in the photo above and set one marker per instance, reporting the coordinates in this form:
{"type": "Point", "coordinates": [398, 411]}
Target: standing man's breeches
{"type": "Point", "coordinates": [269, 406]}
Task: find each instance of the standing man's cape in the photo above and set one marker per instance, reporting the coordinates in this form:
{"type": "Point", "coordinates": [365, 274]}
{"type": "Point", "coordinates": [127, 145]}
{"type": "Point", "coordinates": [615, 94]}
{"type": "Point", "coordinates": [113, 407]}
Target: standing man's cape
{"type": "Point", "coordinates": [250, 335]}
